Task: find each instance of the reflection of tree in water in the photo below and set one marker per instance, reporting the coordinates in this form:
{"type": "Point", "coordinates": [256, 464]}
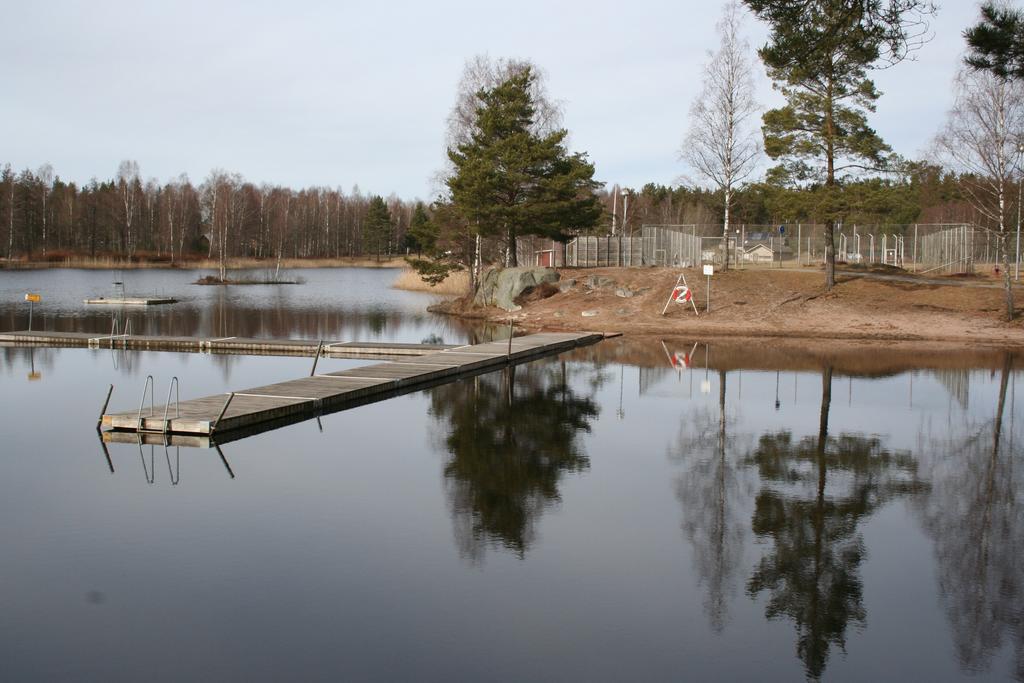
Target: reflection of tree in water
{"type": "Point", "coordinates": [815, 492]}
{"type": "Point", "coordinates": [977, 526]}
{"type": "Point", "coordinates": [713, 493]}
{"type": "Point", "coordinates": [511, 436]}
{"type": "Point", "coordinates": [275, 318]}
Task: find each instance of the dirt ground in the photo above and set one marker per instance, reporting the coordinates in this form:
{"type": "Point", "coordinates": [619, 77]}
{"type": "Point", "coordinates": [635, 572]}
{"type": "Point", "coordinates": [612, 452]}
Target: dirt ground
{"type": "Point", "coordinates": [766, 303]}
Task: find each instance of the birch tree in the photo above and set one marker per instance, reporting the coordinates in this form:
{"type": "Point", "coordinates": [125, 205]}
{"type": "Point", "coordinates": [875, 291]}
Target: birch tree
{"type": "Point", "coordinates": [982, 139]}
{"type": "Point", "coordinates": [9, 180]}
{"type": "Point", "coordinates": [127, 184]}
{"type": "Point", "coordinates": [721, 145]}
{"type": "Point", "coordinates": [215, 196]}
{"type": "Point", "coordinates": [45, 177]}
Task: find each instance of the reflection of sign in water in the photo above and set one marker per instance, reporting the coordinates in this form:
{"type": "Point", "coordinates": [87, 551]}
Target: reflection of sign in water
{"type": "Point", "coordinates": [680, 361]}
{"type": "Point", "coordinates": [33, 376]}
{"type": "Point", "coordinates": [705, 386]}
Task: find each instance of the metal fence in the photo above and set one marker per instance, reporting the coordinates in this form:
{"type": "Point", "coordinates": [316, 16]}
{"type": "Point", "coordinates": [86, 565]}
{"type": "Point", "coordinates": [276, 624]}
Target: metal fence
{"type": "Point", "coordinates": [922, 247]}
{"type": "Point", "coordinates": [949, 251]}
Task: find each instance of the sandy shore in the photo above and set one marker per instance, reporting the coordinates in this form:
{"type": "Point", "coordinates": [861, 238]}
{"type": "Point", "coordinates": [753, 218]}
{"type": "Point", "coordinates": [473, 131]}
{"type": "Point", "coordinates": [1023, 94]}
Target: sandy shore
{"type": "Point", "coordinates": [764, 304]}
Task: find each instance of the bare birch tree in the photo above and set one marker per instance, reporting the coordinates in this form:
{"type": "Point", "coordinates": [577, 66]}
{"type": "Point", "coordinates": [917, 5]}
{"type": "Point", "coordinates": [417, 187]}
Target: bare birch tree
{"type": "Point", "coordinates": [127, 183]}
{"type": "Point", "coordinates": [45, 176]}
{"type": "Point", "coordinates": [483, 72]}
{"type": "Point", "coordinates": [720, 144]}
{"type": "Point", "coordinates": [982, 139]}
{"type": "Point", "coordinates": [213, 197]}
{"type": "Point", "coordinates": [9, 179]}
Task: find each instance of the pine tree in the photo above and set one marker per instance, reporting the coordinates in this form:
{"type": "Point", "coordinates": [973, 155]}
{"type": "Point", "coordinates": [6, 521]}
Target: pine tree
{"type": "Point", "coordinates": [422, 234]}
{"type": "Point", "coordinates": [510, 181]}
{"type": "Point", "coordinates": [376, 226]}
{"type": "Point", "coordinates": [996, 43]}
{"type": "Point", "coordinates": [818, 54]}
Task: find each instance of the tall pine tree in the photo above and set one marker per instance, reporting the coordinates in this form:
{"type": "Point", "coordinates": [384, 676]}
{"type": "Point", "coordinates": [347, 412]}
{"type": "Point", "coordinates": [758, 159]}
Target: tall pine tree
{"type": "Point", "coordinates": [818, 54]}
{"type": "Point", "coordinates": [996, 43]}
{"type": "Point", "coordinates": [376, 226]}
{"type": "Point", "coordinates": [510, 181]}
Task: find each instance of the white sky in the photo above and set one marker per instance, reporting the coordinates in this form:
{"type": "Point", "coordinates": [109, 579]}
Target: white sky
{"type": "Point", "coordinates": [344, 93]}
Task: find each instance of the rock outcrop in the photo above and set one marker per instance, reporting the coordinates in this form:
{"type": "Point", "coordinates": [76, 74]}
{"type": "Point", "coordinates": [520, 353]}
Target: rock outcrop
{"type": "Point", "coordinates": [500, 286]}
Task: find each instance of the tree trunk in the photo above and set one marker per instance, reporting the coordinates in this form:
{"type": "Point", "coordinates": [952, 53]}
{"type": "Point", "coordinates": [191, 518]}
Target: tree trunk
{"type": "Point", "coordinates": [1007, 280]}
{"type": "Point", "coordinates": [830, 254]}
{"type": "Point", "coordinates": [513, 256]}
{"type": "Point", "coordinates": [44, 222]}
{"type": "Point", "coordinates": [475, 276]}
{"type": "Point", "coordinates": [10, 218]}
{"type": "Point", "coordinates": [830, 183]}
{"type": "Point", "coordinates": [725, 230]}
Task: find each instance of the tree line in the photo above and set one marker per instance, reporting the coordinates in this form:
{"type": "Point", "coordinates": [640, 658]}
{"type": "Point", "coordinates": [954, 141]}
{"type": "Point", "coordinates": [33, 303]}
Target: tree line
{"type": "Point", "coordinates": [46, 218]}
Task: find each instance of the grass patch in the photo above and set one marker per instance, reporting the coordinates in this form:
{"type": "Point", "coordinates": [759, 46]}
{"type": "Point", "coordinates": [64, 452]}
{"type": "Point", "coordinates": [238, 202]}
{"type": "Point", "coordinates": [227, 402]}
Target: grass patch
{"type": "Point", "coordinates": [455, 284]}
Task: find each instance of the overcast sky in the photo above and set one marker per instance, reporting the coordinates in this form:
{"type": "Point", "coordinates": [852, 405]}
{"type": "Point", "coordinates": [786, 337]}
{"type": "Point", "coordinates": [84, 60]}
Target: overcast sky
{"type": "Point", "coordinates": [344, 93]}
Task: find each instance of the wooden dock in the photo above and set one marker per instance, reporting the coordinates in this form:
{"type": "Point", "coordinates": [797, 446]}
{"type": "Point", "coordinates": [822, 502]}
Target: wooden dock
{"type": "Point", "coordinates": [219, 345]}
{"type": "Point", "coordinates": [130, 301]}
{"type": "Point", "coordinates": [273, 405]}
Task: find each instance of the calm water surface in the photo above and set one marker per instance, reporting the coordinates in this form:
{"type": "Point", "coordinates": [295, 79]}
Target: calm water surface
{"type": "Point", "coordinates": [746, 513]}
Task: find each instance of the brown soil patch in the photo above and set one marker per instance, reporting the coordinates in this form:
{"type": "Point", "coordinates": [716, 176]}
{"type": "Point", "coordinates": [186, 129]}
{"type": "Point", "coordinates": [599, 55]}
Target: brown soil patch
{"type": "Point", "coordinates": [765, 303]}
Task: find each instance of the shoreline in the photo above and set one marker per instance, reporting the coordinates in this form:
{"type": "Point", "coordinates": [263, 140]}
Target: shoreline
{"type": "Point", "coordinates": [764, 308]}
{"type": "Point", "coordinates": [201, 264]}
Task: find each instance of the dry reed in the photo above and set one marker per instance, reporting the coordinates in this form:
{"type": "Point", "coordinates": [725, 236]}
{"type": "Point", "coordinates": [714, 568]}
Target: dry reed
{"type": "Point", "coordinates": [455, 284]}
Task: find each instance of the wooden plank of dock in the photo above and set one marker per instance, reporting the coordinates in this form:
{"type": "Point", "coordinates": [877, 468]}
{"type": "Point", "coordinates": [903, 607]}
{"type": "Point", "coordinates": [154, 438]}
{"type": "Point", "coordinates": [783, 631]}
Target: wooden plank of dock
{"type": "Point", "coordinates": [285, 402]}
{"type": "Point", "coordinates": [220, 345]}
{"type": "Point", "coordinates": [131, 301]}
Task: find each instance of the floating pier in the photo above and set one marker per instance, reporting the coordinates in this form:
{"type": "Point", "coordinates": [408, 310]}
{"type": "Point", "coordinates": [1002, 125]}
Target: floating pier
{"type": "Point", "coordinates": [221, 345]}
{"type": "Point", "coordinates": [273, 405]}
{"type": "Point", "coordinates": [130, 301]}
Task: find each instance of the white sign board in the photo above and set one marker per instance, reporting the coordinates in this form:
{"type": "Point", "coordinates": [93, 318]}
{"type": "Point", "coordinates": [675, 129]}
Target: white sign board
{"type": "Point", "coordinates": [709, 270]}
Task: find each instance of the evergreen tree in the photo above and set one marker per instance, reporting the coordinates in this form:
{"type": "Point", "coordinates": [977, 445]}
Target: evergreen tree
{"type": "Point", "coordinates": [422, 234]}
{"type": "Point", "coordinates": [996, 43]}
{"type": "Point", "coordinates": [818, 54]}
{"type": "Point", "coordinates": [376, 226]}
{"type": "Point", "coordinates": [509, 180]}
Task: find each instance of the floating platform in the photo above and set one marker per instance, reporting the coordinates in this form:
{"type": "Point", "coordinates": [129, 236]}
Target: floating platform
{"type": "Point", "coordinates": [273, 405]}
{"type": "Point", "coordinates": [220, 345]}
{"type": "Point", "coordinates": [130, 301]}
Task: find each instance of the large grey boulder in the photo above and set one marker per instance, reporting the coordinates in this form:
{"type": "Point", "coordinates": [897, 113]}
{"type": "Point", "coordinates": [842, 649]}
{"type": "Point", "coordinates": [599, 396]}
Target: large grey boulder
{"type": "Point", "coordinates": [500, 286]}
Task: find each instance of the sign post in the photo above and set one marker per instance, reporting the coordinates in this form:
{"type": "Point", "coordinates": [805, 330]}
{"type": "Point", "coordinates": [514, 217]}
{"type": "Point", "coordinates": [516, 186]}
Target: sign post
{"type": "Point", "coordinates": [709, 270]}
{"type": "Point", "coordinates": [31, 299]}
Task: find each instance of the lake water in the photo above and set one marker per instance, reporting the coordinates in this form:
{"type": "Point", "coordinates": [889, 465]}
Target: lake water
{"type": "Point", "coordinates": [635, 510]}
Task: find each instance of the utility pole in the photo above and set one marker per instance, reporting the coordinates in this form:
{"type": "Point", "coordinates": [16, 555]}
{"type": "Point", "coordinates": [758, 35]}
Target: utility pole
{"type": "Point", "coordinates": [625, 210]}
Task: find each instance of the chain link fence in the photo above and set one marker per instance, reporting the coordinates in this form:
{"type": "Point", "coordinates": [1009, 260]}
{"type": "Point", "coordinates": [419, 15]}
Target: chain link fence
{"type": "Point", "coordinates": [922, 248]}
